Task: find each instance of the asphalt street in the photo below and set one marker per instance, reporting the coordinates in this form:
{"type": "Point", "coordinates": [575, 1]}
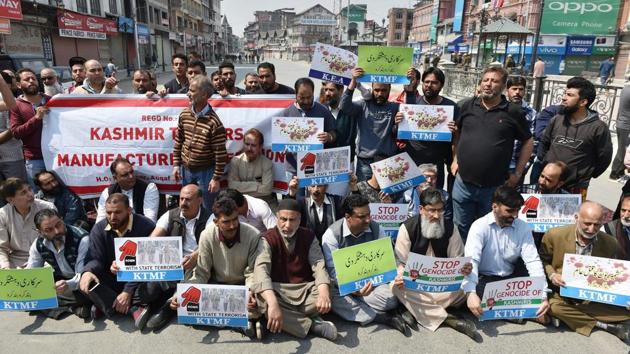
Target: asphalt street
{"type": "Point", "coordinates": [21, 333]}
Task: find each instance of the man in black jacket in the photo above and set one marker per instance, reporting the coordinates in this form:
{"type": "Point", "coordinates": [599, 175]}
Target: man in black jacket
{"type": "Point", "coordinates": [577, 137]}
{"type": "Point", "coordinates": [620, 228]}
{"type": "Point", "coordinates": [98, 280]}
{"type": "Point", "coordinates": [179, 62]}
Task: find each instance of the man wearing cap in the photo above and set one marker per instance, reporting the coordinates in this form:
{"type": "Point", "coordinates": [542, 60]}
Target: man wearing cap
{"type": "Point", "coordinates": [291, 283]}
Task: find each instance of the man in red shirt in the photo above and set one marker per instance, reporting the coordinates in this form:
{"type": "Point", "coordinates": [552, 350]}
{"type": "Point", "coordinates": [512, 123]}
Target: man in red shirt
{"type": "Point", "coordinates": [26, 122]}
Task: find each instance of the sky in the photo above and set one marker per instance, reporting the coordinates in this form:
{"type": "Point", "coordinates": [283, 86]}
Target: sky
{"type": "Point", "coordinates": [240, 12]}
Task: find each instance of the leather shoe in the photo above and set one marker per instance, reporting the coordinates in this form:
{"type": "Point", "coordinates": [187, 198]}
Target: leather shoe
{"type": "Point", "coordinates": [160, 319]}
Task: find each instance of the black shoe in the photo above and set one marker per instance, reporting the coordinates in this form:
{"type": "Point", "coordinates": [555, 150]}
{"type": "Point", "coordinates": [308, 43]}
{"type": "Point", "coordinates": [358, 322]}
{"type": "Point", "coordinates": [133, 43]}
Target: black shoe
{"type": "Point", "coordinates": [398, 323]}
{"type": "Point", "coordinates": [466, 327]}
{"type": "Point", "coordinates": [161, 319]}
{"type": "Point", "coordinates": [408, 318]}
{"type": "Point", "coordinates": [619, 330]}
{"type": "Point", "coordinates": [250, 331]}
{"type": "Point", "coordinates": [82, 311]}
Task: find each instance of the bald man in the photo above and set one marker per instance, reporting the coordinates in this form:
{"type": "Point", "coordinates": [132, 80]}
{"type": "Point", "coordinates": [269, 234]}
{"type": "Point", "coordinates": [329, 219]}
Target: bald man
{"type": "Point", "coordinates": [95, 81]}
{"type": "Point", "coordinates": [583, 238]}
{"type": "Point", "coordinates": [50, 81]}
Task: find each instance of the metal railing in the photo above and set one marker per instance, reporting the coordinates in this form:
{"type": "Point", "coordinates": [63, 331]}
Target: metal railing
{"type": "Point", "coordinates": [463, 83]}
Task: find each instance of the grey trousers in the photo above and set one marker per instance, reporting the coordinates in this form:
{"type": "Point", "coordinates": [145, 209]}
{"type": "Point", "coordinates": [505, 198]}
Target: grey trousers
{"type": "Point", "coordinates": [363, 309]}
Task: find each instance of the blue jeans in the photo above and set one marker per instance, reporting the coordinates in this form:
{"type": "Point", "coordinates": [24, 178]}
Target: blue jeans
{"type": "Point", "coordinates": [201, 178]}
{"type": "Point", "coordinates": [32, 168]}
{"type": "Point", "coordinates": [537, 168]}
{"type": "Point", "coordinates": [364, 171]}
{"type": "Point", "coordinates": [470, 202]}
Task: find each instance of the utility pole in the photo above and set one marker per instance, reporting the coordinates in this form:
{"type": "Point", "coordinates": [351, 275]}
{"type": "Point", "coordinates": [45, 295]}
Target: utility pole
{"type": "Point", "coordinates": [537, 34]}
{"type": "Point", "coordinates": [134, 10]}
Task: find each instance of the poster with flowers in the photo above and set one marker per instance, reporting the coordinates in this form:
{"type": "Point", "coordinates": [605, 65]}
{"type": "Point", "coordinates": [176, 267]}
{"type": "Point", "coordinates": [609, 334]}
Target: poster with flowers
{"type": "Point", "coordinates": [295, 134]}
{"type": "Point", "coordinates": [425, 122]}
{"type": "Point", "coordinates": [397, 173]}
{"type": "Point", "coordinates": [332, 64]}
{"type": "Point", "coordinates": [433, 274]}
{"type": "Point", "coordinates": [596, 279]}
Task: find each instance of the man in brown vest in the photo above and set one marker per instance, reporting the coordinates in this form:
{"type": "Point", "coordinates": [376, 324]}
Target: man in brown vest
{"type": "Point", "coordinates": [290, 278]}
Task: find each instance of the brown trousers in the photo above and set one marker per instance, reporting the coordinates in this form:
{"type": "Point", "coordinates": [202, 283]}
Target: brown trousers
{"type": "Point", "coordinates": [582, 316]}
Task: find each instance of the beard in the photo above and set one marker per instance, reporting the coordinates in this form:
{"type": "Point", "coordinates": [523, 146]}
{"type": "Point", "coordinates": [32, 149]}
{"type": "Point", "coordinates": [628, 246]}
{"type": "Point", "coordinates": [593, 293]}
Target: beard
{"type": "Point", "coordinates": [430, 94]}
{"type": "Point", "coordinates": [54, 89]}
{"type": "Point", "coordinates": [31, 90]}
{"type": "Point", "coordinates": [53, 192]}
{"type": "Point", "coordinates": [332, 101]}
{"type": "Point", "coordinates": [287, 235]}
{"type": "Point", "coordinates": [228, 84]}
{"type": "Point", "coordinates": [432, 230]}
{"type": "Point", "coordinates": [625, 222]}
{"type": "Point", "coordinates": [516, 99]}
{"type": "Point", "coordinates": [585, 234]}
{"type": "Point", "coordinates": [568, 110]}
{"type": "Point", "coordinates": [488, 96]}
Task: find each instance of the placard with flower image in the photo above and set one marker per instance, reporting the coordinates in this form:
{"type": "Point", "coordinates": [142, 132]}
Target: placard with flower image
{"type": "Point", "coordinates": [425, 122]}
{"type": "Point", "coordinates": [294, 134]}
{"type": "Point", "coordinates": [397, 173]}
{"type": "Point", "coordinates": [332, 64]}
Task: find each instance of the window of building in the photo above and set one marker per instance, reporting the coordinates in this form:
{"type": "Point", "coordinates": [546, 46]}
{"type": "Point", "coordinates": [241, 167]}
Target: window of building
{"type": "Point", "coordinates": [399, 26]}
{"type": "Point", "coordinates": [399, 15]}
{"type": "Point", "coordinates": [397, 36]}
{"type": "Point", "coordinates": [113, 7]}
{"type": "Point", "coordinates": [95, 7]}
{"type": "Point", "coordinates": [150, 14]}
{"type": "Point", "coordinates": [82, 6]}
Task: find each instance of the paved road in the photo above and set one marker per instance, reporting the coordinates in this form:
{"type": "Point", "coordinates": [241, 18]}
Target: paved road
{"type": "Point", "coordinates": [21, 333]}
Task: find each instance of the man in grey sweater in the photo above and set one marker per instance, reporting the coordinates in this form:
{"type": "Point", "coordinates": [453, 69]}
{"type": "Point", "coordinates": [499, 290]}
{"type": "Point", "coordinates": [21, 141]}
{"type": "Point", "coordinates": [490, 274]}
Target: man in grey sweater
{"type": "Point", "coordinates": [376, 127]}
{"type": "Point", "coordinates": [623, 134]}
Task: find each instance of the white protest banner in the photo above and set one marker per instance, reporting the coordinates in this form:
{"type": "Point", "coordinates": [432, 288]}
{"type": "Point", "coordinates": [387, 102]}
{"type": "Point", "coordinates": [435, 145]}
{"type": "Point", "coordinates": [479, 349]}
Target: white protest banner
{"type": "Point", "coordinates": [513, 298]}
{"type": "Point", "coordinates": [425, 122]}
{"type": "Point", "coordinates": [83, 134]}
{"type": "Point", "coordinates": [294, 134]}
{"type": "Point", "coordinates": [434, 274]}
{"type": "Point", "coordinates": [332, 64]}
{"type": "Point", "coordinates": [149, 258]}
{"type": "Point", "coordinates": [545, 211]}
{"type": "Point", "coordinates": [596, 279]}
{"type": "Point", "coordinates": [397, 173]}
{"type": "Point", "coordinates": [389, 217]}
{"type": "Point", "coordinates": [323, 166]}
{"type": "Point", "coordinates": [212, 305]}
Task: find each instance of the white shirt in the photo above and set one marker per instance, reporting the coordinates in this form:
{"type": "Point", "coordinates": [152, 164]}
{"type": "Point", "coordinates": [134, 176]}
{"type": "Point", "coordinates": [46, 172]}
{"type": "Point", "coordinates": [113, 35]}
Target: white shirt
{"type": "Point", "coordinates": [151, 202]}
{"type": "Point", "coordinates": [259, 215]}
{"type": "Point", "coordinates": [319, 208]}
{"type": "Point", "coordinates": [495, 250]}
{"type": "Point", "coordinates": [190, 242]}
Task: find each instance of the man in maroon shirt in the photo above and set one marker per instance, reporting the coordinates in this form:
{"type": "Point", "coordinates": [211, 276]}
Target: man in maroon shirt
{"type": "Point", "coordinates": [26, 122]}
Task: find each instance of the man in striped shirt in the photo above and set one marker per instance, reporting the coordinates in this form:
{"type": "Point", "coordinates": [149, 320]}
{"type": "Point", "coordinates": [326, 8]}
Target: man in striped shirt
{"type": "Point", "coordinates": [199, 154]}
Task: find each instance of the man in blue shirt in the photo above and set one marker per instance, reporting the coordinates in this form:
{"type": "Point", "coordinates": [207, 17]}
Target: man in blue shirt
{"type": "Point", "coordinates": [606, 70]}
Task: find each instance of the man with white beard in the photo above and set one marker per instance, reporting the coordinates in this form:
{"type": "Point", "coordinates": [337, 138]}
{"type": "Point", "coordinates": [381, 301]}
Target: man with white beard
{"type": "Point", "coordinates": [51, 82]}
{"type": "Point", "coordinates": [430, 234]}
{"type": "Point", "coordinates": [620, 228]}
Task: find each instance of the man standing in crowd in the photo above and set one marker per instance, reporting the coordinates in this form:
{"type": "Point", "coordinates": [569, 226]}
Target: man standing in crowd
{"type": "Point", "coordinates": [430, 172]}
{"type": "Point", "coordinates": [291, 284]}
{"type": "Point", "coordinates": [253, 211]}
{"type": "Point", "coordinates": [376, 129]}
{"type": "Point", "coordinates": [501, 247]}
{"type": "Point", "coordinates": [487, 126]}
{"type": "Point", "coordinates": [17, 222]}
{"type": "Point", "coordinates": [430, 234]}
{"type": "Point", "coordinates": [65, 248]}
{"type": "Point", "coordinates": [141, 82]}
{"type": "Point", "coordinates": [620, 228]}
{"type": "Point", "coordinates": [11, 155]}
{"type": "Point", "coordinates": [227, 255]}
{"type": "Point", "coordinates": [267, 76]}
{"type": "Point", "coordinates": [618, 169]}
{"type": "Point", "coordinates": [346, 121]}
{"type": "Point", "coordinates": [516, 88]}
{"type": "Point", "coordinates": [199, 154]}
{"type": "Point", "coordinates": [77, 70]}
{"type": "Point", "coordinates": [251, 172]}
{"type": "Point", "coordinates": [26, 122]}
{"type": "Point", "coordinates": [179, 63]}
{"type": "Point", "coordinates": [99, 272]}
{"type": "Point", "coordinates": [585, 239]}
{"type": "Point", "coordinates": [144, 197]}
{"type": "Point", "coordinates": [95, 81]}
{"type": "Point", "coordinates": [371, 303]}
{"type": "Point", "coordinates": [319, 209]}
{"type": "Point", "coordinates": [228, 75]}
{"type": "Point", "coordinates": [69, 205]}
{"type": "Point", "coordinates": [606, 70]}
{"type": "Point", "coordinates": [577, 137]}
{"type": "Point", "coordinates": [434, 152]}
{"type": "Point", "coordinates": [252, 84]}
{"type": "Point", "coordinates": [50, 81]}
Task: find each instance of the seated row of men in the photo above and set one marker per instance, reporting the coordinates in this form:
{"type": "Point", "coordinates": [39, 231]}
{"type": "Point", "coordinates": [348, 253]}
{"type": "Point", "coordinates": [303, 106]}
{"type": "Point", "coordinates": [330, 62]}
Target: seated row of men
{"type": "Point", "coordinates": [290, 273]}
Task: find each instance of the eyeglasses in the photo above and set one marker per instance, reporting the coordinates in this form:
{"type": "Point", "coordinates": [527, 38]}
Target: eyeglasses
{"type": "Point", "coordinates": [47, 78]}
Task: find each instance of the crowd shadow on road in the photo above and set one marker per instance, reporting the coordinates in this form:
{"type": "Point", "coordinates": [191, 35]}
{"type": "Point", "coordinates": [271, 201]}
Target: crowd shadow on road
{"type": "Point", "coordinates": [41, 319]}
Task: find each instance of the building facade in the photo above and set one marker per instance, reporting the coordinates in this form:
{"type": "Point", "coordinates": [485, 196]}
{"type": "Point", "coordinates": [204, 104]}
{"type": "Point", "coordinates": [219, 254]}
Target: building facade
{"type": "Point", "coordinates": [400, 21]}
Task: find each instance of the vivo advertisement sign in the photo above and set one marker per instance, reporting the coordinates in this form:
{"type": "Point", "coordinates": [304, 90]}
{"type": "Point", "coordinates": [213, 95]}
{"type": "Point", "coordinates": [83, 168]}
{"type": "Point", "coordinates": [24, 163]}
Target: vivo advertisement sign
{"type": "Point", "coordinates": [580, 45]}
